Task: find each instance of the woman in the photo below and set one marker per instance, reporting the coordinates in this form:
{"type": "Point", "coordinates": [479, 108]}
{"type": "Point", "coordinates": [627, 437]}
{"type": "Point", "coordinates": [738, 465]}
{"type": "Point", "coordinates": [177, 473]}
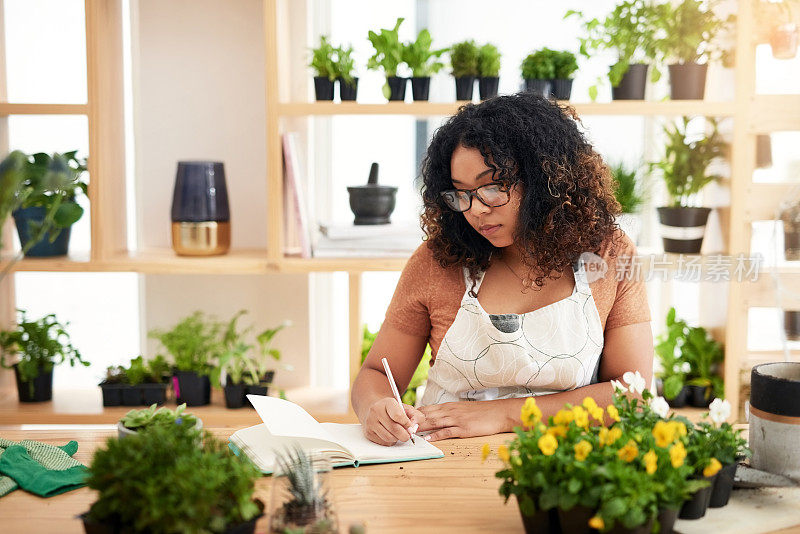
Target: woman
{"type": "Point", "coordinates": [522, 286]}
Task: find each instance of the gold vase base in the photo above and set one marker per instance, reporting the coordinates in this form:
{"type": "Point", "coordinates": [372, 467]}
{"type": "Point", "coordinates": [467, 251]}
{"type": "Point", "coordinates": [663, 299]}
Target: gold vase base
{"type": "Point", "coordinates": [201, 238]}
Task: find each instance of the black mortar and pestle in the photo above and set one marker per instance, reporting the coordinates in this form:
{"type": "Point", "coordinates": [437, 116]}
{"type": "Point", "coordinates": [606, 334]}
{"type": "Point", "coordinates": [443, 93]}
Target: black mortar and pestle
{"type": "Point", "coordinates": [372, 203]}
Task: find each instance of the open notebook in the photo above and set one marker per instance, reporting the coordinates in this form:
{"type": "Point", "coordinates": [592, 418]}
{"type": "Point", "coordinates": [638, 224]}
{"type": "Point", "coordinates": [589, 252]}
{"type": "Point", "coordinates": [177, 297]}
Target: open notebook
{"type": "Point", "coordinates": [286, 424]}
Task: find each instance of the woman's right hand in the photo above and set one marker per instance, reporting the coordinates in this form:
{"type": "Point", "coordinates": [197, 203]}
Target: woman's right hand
{"type": "Point", "coordinates": [386, 423]}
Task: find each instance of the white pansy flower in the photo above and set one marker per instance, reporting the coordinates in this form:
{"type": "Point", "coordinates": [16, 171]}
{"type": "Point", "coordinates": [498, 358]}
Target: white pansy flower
{"type": "Point", "coordinates": [618, 386]}
{"type": "Point", "coordinates": [719, 410]}
{"type": "Point", "coordinates": [659, 406]}
{"type": "Point", "coordinates": [635, 381]}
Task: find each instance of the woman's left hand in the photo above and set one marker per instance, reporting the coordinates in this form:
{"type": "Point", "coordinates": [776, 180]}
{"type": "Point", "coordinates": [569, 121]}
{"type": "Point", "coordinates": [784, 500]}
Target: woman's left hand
{"type": "Point", "coordinates": [463, 419]}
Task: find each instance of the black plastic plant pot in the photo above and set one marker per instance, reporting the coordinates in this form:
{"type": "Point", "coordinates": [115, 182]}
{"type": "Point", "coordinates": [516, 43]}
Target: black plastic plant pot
{"type": "Point", "coordinates": [576, 520]}
{"type": "Point", "coordinates": [487, 86]}
{"type": "Point", "coordinates": [234, 395]}
{"type": "Point", "coordinates": [682, 229]}
{"type": "Point", "coordinates": [420, 88]}
{"type": "Point", "coordinates": [323, 88]}
{"type": "Point", "coordinates": [90, 526]}
{"type": "Point", "coordinates": [44, 248]}
{"type": "Point", "coordinates": [666, 520]}
{"type": "Point", "coordinates": [465, 86]}
{"type": "Point", "coordinates": [687, 81]}
{"type": "Point", "coordinates": [132, 396]}
{"type": "Point", "coordinates": [40, 389]}
{"type": "Point", "coordinates": [268, 377]}
{"type": "Point", "coordinates": [191, 388]}
{"type": "Point", "coordinates": [723, 485]}
{"type": "Point", "coordinates": [632, 84]}
{"type": "Point", "coordinates": [261, 389]}
{"type": "Point", "coordinates": [561, 89]}
{"type": "Point", "coordinates": [542, 522]}
{"type": "Point", "coordinates": [112, 394]}
{"type": "Point", "coordinates": [700, 396]}
{"type": "Point", "coordinates": [680, 399]}
{"type": "Point", "coordinates": [397, 88]}
{"type": "Point", "coordinates": [348, 91]}
{"type": "Point", "coordinates": [538, 87]}
{"type": "Point", "coordinates": [646, 528]}
{"type": "Point", "coordinates": [154, 394]}
{"type": "Point", "coordinates": [696, 506]}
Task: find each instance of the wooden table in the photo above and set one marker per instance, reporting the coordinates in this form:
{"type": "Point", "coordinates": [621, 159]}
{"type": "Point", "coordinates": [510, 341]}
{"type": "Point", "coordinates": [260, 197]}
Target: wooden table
{"type": "Point", "coordinates": [457, 493]}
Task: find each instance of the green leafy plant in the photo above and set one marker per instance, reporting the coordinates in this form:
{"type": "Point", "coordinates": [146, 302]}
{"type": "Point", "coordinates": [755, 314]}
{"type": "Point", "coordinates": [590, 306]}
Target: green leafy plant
{"type": "Point", "coordinates": [322, 59]}
{"type": "Point", "coordinates": [195, 345]}
{"type": "Point", "coordinates": [13, 189]}
{"type": "Point", "coordinates": [539, 65]}
{"type": "Point", "coordinates": [155, 416]}
{"type": "Point", "coordinates": [488, 61]}
{"type": "Point", "coordinates": [154, 371]}
{"type": "Point", "coordinates": [388, 49]}
{"type": "Point", "coordinates": [115, 374]}
{"type": "Point", "coordinates": [464, 59]}
{"type": "Point", "coordinates": [171, 479]}
{"type": "Point", "coordinates": [307, 507]}
{"type": "Point", "coordinates": [688, 30]}
{"type": "Point", "coordinates": [35, 346]}
{"type": "Point", "coordinates": [627, 187]}
{"type": "Point", "coordinates": [564, 64]}
{"type": "Point", "coordinates": [345, 65]}
{"type": "Point", "coordinates": [246, 362]}
{"type": "Point", "coordinates": [420, 375]}
{"type": "Point", "coordinates": [420, 58]}
{"type": "Point", "coordinates": [629, 31]}
{"type": "Point", "coordinates": [684, 167]}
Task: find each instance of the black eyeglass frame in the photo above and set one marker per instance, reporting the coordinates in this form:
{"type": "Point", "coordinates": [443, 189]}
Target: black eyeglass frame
{"type": "Point", "coordinates": [505, 187]}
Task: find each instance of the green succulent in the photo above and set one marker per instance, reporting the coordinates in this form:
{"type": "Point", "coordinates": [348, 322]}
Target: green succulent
{"type": "Point", "coordinates": [155, 416]}
{"type": "Point", "coordinates": [307, 501]}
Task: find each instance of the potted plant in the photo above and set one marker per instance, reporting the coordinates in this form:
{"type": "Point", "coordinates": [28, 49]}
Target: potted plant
{"type": "Point", "coordinates": [171, 479]}
{"type": "Point", "coordinates": [146, 418]}
{"type": "Point", "coordinates": [195, 346]}
{"type": "Point", "coordinates": [345, 73]}
{"type": "Point", "coordinates": [464, 63]}
{"type": "Point", "coordinates": [629, 32]}
{"type": "Point", "coordinates": [488, 71]}
{"type": "Point", "coordinates": [267, 357]}
{"type": "Point", "coordinates": [300, 496]}
{"type": "Point", "coordinates": [780, 25]}
{"type": "Point", "coordinates": [674, 369]}
{"type": "Point", "coordinates": [688, 30]}
{"type": "Point", "coordinates": [423, 62]}
{"type": "Point", "coordinates": [684, 169]}
{"type": "Point", "coordinates": [538, 68]}
{"type": "Point", "coordinates": [629, 193]}
{"type": "Point", "coordinates": [238, 366]}
{"type": "Point", "coordinates": [35, 347]}
{"type": "Point", "coordinates": [700, 456]}
{"type": "Point", "coordinates": [45, 217]}
{"type": "Point", "coordinates": [389, 57]}
{"type": "Point", "coordinates": [727, 446]}
{"type": "Point", "coordinates": [325, 68]}
{"type": "Point", "coordinates": [564, 67]}
{"type": "Point", "coordinates": [112, 385]}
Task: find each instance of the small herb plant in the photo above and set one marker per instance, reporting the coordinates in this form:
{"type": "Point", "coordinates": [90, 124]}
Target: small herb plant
{"type": "Point", "coordinates": [13, 189]}
{"type": "Point", "coordinates": [306, 506]}
{"type": "Point", "coordinates": [627, 187]}
{"type": "Point", "coordinates": [420, 58]}
{"type": "Point", "coordinates": [322, 59]}
{"type": "Point", "coordinates": [345, 66]}
{"type": "Point", "coordinates": [249, 363]}
{"type": "Point", "coordinates": [170, 480]}
{"type": "Point", "coordinates": [155, 416]}
{"type": "Point", "coordinates": [488, 61]}
{"type": "Point", "coordinates": [464, 59]}
{"type": "Point", "coordinates": [194, 344]}
{"type": "Point", "coordinates": [35, 346]}
{"type": "Point", "coordinates": [629, 31]}
{"type": "Point", "coordinates": [388, 50]}
{"type": "Point", "coordinates": [684, 166]}
{"type": "Point", "coordinates": [539, 65]}
{"type": "Point", "coordinates": [688, 31]}
{"type": "Point", "coordinates": [564, 65]}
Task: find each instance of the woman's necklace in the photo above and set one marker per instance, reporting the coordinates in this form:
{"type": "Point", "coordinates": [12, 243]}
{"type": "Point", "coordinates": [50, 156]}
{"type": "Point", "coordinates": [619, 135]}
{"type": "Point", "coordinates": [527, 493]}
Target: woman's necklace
{"type": "Point", "coordinates": [512, 271]}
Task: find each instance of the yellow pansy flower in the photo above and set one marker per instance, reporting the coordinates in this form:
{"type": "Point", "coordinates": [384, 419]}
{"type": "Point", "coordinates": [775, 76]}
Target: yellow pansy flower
{"type": "Point", "coordinates": [558, 431]}
{"type": "Point", "coordinates": [664, 433]}
{"type": "Point", "coordinates": [530, 414]}
{"type": "Point", "coordinates": [712, 468]}
{"type": "Point", "coordinates": [597, 523]}
{"type": "Point", "coordinates": [598, 413]}
{"type": "Point", "coordinates": [602, 435]}
{"type": "Point", "coordinates": [563, 417]}
{"type": "Point", "coordinates": [629, 452]}
{"type": "Point", "coordinates": [677, 453]}
{"type": "Point", "coordinates": [680, 428]}
{"type": "Point", "coordinates": [589, 404]}
{"type": "Point", "coordinates": [548, 444]}
{"type": "Point", "coordinates": [650, 461]}
{"type": "Point", "coordinates": [582, 450]}
{"type": "Point", "coordinates": [613, 435]}
{"type": "Point", "coordinates": [502, 452]}
{"type": "Point", "coordinates": [581, 416]}
{"type": "Point", "coordinates": [485, 450]}
{"type": "Point", "coordinates": [613, 412]}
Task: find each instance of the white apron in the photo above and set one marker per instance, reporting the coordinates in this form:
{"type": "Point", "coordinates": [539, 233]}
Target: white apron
{"type": "Point", "coordinates": [551, 349]}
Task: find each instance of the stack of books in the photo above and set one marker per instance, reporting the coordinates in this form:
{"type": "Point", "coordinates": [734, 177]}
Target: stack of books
{"type": "Point", "coordinates": [382, 240]}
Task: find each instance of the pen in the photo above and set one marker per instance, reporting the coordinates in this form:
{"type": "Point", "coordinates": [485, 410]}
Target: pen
{"type": "Point", "coordinates": [412, 428]}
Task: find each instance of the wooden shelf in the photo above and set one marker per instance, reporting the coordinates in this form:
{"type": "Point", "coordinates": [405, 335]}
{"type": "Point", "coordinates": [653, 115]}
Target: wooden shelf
{"type": "Point", "coordinates": [770, 113]}
{"type": "Point", "coordinates": [342, 264]}
{"type": "Point", "coordinates": [43, 109]}
{"type": "Point", "coordinates": [166, 261]}
{"type": "Point", "coordinates": [630, 107]}
{"type": "Point", "coordinates": [79, 261]}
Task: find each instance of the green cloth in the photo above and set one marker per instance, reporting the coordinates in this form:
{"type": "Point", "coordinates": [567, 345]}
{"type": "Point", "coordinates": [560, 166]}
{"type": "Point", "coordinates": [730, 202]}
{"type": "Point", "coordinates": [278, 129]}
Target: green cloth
{"type": "Point", "coordinates": [40, 468]}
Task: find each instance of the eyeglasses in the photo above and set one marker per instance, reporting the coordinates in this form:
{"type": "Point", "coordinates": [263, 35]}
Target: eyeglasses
{"type": "Point", "coordinates": [492, 195]}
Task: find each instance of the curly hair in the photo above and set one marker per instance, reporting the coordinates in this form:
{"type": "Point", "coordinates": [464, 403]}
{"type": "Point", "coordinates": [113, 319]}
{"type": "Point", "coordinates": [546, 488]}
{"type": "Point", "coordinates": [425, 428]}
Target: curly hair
{"type": "Point", "coordinates": [568, 205]}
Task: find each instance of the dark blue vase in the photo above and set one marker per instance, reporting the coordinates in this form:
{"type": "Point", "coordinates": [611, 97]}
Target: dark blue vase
{"type": "Point", "coordinates": [44, 248]}
{"type": "Point", "coordinates": [200, 212]}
